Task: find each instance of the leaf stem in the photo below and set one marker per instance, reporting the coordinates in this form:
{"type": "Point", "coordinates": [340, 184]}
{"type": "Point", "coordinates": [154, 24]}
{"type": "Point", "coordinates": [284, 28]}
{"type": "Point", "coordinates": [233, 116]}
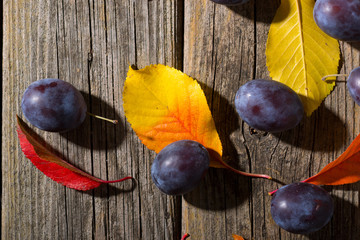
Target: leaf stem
{"type": "Point", "coordinates": [115, 181]}
{"type": "Point", "coordinates": [186, 235]}
{"type": "Point", "coordinates": [334, 75]}
{"type": "Point", "coordinates": [244, 173]}
{"type": "Point", "coordinates": [272, 192]}
{"type": "Point", "coordinates": [102, 118]}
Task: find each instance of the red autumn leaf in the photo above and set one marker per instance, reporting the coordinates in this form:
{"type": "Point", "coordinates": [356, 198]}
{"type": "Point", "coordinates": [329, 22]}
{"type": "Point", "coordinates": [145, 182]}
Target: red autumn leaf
{"type": "Point", "coordinates": [53, 166]}
{"type": "Point", "coordinates": [344, 170]}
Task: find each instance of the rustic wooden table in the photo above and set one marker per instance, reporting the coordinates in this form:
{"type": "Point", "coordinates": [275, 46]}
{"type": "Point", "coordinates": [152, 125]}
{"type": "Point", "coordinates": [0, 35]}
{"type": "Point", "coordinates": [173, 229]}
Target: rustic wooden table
{"type": "Point", "coordinates": [91, 44]}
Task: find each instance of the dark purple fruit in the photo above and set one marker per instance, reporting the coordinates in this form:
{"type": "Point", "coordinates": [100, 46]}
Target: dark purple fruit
{"type": "Point", "coordinates": [339, 18]}
{"type": "Point", "coordinates": [301, 208]}
{"type": "Point", "coordinates": [268, 105]}
{"type": "Point", "coordinates": [180, 166]}
{"type": "Point", "coordinates": [53, 105]}
{"type": "Point", "coordinates": [353, 85]}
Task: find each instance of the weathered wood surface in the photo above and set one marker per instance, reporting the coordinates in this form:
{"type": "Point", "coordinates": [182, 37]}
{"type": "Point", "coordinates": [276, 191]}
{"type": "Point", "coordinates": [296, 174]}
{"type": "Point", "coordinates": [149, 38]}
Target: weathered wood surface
{"type": "Point", "coordinates": [91, 44]}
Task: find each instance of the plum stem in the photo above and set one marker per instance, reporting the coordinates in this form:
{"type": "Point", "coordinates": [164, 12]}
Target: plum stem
{"type": "Point", "coordinates": [102, 118]}
{"type": "Point", "coordinates": [334, 75]}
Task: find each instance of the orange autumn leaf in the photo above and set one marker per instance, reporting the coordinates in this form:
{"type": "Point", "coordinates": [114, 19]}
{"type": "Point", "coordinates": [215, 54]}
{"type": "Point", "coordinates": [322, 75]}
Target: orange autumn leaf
{"type": "Point", "coordinates": [237, 237]}
{"type": "Point", "coordinates": [164, 105]}
{"type": "Point", "coordinates": [344, 170]}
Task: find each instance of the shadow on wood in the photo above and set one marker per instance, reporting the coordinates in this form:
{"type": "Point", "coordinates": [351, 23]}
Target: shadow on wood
{"type": "Point", "coordinates": [309, 134]}
{"type": "Point", "coordinates": [95, 133]}
{"type": "Point", "coordinates": [220, 189]}
{"type": "Point", "coordinates": [355, 45]}
{"type": "Point", "coordinates": [113, 189]}
{"type": "Point", "coordinates": [343, 222]}
{"type": "Point", "coordinates": [267, 13]}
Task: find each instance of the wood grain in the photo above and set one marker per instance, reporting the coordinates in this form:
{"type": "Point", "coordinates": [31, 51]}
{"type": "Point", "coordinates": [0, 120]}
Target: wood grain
{"type": "Point", "coordinates": [224, 47]}
{"type": "Point", "coordinates": [91, 45]}
{"type": "Point", "coordinates": [219, 52]}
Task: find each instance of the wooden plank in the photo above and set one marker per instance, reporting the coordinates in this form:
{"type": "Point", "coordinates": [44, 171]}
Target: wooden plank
{"type": "Point", "coordinates": [90, 44]}
{"type": "Point", "coordinates": [155, 28]}
{"type": "Point", "coordinates": [224, 48]}
{"type": "Point", "coordinates": [219, 52]}
{"type": "Point", "coordinates": [27, 57]}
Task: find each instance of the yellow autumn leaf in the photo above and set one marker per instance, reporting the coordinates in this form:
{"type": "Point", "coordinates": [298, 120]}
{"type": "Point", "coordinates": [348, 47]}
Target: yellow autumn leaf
{"type": "Point", "coordinates": [299, 54]}
{"type": "Point", "coordinates": [164, 105]}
